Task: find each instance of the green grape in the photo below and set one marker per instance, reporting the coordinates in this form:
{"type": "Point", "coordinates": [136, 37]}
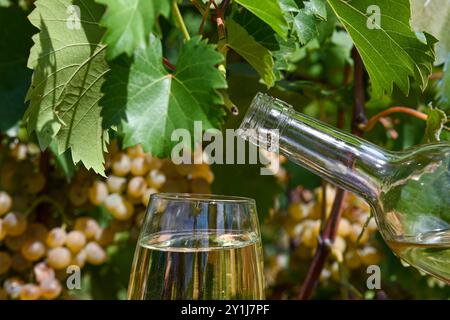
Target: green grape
{"type": "Point", "coordinates": [34, 183]}
{"type": "Point", "coordinates": [42, 272]}
{"type": "Point", "coordinates": [56, 238]}
{"type": "Point", "coordinates": [75, 240]}
{"type": "Point", "coordinates": [30, 292]}
{"type": "Point", "coordinates": [121, 165]}
{"type": "Point", "coordinates": [145, 198]}
{"type": "Point", "coordinates": [369, 255]}
{"type": "Point", "coordinates": [88, 226]}
{"type": "Point", "coordinates": [2, 230]}
{"type": "Point", "coordinates": [80, 258]}
{"type": "Point", "coordinates": [352, 259]}
{"type": "Point", "coordinates": [136, 187]}
{"type": "Point", "coordinates": [155, 179]}
{"type": "Point", "coordinates": [33, 250]}
{"type": "Point", "coordinates": [5, 262]}
{"type": "Point", "coordinates": [139, 167]}
{"type": "Point", "coordinates": [98, 192]}
{"type": "Point", "coordinates": [5, 202]}
{"type": "Point", "coordinates": [344, 227]}
{"type": "Point", "coordinates": [116, 184]}
{"type": "Point", "coordinates": [50, 288]}
{"type": "Point", "coordinates": [15, 243]}
{"type": "Point", "coordinates": [120, 208]}
{"type": "Point", "coordinates": [95, 254]}
{"type": "Point", "coordinates": [13, 287]}
{"type": "Point", "coordinates": [19, 263]}
{"type": "Point", "coordinates": [14, 223]}
{"type": "Point", "coordinates": [19, 151]}
{"type": "Point", "coordinates": [135, 151]}
{"type": "Point", "coordinates": [59, 258]}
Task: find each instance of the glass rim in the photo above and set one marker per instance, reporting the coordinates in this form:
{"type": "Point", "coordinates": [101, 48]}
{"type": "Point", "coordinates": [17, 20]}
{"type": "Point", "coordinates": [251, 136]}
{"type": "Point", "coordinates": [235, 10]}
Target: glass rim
{"type": "Point", "coordinates": [200, 197]}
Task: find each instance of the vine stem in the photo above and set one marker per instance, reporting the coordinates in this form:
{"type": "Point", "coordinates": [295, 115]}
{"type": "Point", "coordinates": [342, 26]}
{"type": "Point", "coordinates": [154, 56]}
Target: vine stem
{"type": "Point", "coordinates": [180, 21]}
{"type": "Point", "coordinates": [328, 232]}
{"type": "Point", "coordinates": [396, 109]}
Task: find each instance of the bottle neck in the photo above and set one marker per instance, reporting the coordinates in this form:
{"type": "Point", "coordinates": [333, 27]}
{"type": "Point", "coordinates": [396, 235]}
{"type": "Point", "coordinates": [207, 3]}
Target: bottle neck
{"type": "Point", "coordinates": [339, 157]}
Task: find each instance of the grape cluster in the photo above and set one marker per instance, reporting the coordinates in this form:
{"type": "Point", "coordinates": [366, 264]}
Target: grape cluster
{"type": "Point", "coordinates": [353, 248]}
{"type": "Point", "coordinates": [45, 222]}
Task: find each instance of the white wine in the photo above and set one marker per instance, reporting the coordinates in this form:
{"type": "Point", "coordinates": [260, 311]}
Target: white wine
{"type": "Point", "coordinates": [198, 265]}
{"type": "Point", "coordinates": [429, 253]}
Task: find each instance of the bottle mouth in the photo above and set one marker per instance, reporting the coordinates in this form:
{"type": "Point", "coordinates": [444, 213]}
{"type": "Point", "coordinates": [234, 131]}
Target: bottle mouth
{"type": "Point", "coordinates": [266, 116]}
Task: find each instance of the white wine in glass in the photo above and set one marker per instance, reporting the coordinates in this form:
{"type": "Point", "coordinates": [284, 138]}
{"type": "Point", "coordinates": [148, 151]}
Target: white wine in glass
{"type": "Point", "coordinates": [198, 247]}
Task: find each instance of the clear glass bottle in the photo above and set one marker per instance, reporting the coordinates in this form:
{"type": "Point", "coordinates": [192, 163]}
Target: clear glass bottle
{"type": "Point", "coordinates": [407, 191]}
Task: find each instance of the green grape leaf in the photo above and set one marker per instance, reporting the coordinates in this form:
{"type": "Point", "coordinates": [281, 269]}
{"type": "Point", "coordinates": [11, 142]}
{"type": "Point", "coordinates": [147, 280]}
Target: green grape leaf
{"type": "Point", "coordinates": [268, 11]}
{"type": "Point", "coordinates": [69, 68]}
{"type": "Point", "coordinates": [434, 18]}
{"type": "Point", "coordinates": [152, 103]}
{"type": "Point", "coordinates": [129, 23]}
{"type": "Point", "coordinates": [317, 8]}
{"type": "Point", "coordinates": [15, 77]}
{"type": "Point", "coordinates": [435, 123]}
{"type": "Point", "coordinates": [390, 50]}
{"type": "Point", "coordinates": [258, 56]}
{"type": "Point", "coordinates": [443, 86]}
{"type": "Point", "coordinates": [305, 27]}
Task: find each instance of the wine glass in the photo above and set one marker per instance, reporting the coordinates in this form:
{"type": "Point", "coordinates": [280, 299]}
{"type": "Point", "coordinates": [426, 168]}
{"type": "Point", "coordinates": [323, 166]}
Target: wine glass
{"type": "Point", "coordinates": [195, 246]}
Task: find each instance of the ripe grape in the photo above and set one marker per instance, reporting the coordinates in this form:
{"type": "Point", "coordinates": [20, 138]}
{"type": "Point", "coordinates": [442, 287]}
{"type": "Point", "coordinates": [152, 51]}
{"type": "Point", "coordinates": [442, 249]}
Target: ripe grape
{"type": "Point", "coordinates": [50, 288]}
{"type": "Point", "coordinates": [19, 263]}
{"type": "Point", "coordinates": [30, 292]}
{"type": "Point", "coordinates": [5, 262]}
{"type": "Point", "coordinates": [139, 219]}
{"type": "Point", "coordinates": [356, 231]}
{"type": "Point", "coordinates": [184, 169]}
{"type": "Point", "coordinates": [121, 165]}
{"type": "Point", "coordinates": [75, 240]}
{"type": "Point", "coordinates": [135, 151]}
{"type": "Point", "coordinates": [56, 237]}
{"type": "Point", "coordinates": [33, 250]}
{"type": "Point", "coordinates": [116, 184]}
{"type": "Point", "coordinates": [136, 187]}
{"type": "Point", "coordinates": [88, 226]}
{"type": "Point", "coordinates": [98, 192]}
{"type": "Point", "coordinates": [43, 272]}
{"type": "Point", "coordinates": [14, 223]}
{"type": "Point", "coordinates": [146, 196]}
{"type": "Point", "coordinates": [296, 211]}
{"type": "Point", "coordinates": [95, 254]}
{"type": "Point", "coordinates": [59, 258]}
{"type": "Point", "coordinates": [139, 167]}
{"type": "Point", "coordinates": [5, 202]}
{"type": "Point", "coordinates": [34, 183]}
{"type": "Point", "coordinates": [19, 151]}
{"type": "Point", "coordinates": [153, 163]}
{"type": "Point", "coordinates": [155, 179]}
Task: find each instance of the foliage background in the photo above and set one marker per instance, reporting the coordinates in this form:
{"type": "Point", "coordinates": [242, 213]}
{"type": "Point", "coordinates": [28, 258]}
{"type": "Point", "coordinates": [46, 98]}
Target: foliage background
{"type": "Point", "coordinates": [300, 51]}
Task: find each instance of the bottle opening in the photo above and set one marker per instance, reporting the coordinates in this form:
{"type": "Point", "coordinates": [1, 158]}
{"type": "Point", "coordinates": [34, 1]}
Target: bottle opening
{"type": "Point", "coordinates": [265, 117]}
